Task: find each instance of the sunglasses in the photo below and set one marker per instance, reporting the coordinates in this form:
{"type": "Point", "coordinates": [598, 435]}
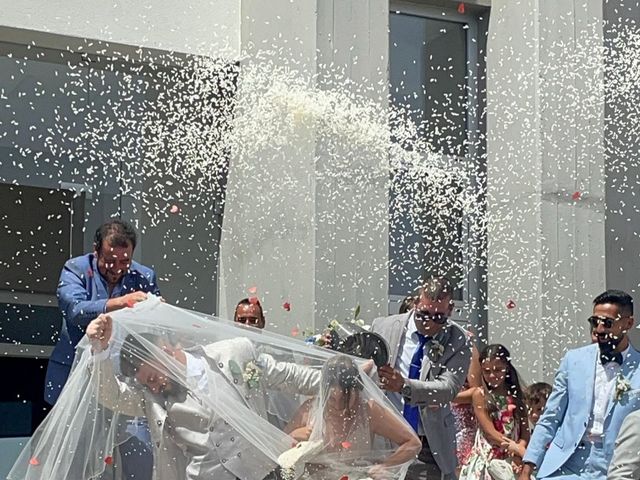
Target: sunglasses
{"type": "Point", "coordinates": [438, 318]}
{"type": "Point", "coordinates": [607, 322]}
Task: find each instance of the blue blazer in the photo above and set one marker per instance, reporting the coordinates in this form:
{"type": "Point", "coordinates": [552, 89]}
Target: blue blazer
{"type": "Point", "coordinates": [566, 416]}
{"type": "Point", "coordinates": [82, 296]}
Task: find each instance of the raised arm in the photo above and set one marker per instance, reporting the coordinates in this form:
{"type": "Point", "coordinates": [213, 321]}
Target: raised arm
{"type": "Point", "coordinates": [113, 394]}
{"type": "Point", "coordinates": [288, 376]}
{"type": "Point", "coordinates": [74, 295]}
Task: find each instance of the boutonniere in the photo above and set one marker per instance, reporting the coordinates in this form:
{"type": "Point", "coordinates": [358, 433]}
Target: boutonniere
{"type": "Point", "coordinates": [622, 387]}
{"type": "Point", "coordinates": [436, 349]}
{"type": "Point", "coordinates": [252, 374]}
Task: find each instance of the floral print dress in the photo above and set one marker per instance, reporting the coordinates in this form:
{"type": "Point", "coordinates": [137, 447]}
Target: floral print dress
{"type": "Point", "coordinates": [483, 452]}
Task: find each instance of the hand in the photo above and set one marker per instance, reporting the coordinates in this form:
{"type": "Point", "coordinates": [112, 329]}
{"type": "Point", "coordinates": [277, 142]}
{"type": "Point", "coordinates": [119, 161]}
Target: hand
{"type": "Point", "coordinates": [512, 447]}
{"type": "Point", "coordinates": [390, 379]}
{"type": "Point", "coordinates": [99, 332]}
{"type": "Point", "coordinates": [379, 472]}
{"type": "Point", "coordinates": [526, 472]}
{"type": "Point", "coordinates": [325, 339]}
{"type": "Point", "coordinates": [301, 434]}
{"type": "Point", "coordinates": [130, 299]}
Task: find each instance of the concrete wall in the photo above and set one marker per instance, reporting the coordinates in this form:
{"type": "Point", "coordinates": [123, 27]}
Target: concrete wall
{"type": "Point", "coordinates": [202, 27]}
{"type": "Point", "coordinates": [622, 137]}
{"type": "Point", "coordinates": [300, 235]}
{"type": "Point", "coordinates": [546, 123]}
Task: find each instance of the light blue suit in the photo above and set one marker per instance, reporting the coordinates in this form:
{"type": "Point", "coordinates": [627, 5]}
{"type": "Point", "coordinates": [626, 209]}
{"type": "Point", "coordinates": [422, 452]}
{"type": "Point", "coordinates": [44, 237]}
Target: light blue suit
{"type": "Point", "coordinates": [559, 433]}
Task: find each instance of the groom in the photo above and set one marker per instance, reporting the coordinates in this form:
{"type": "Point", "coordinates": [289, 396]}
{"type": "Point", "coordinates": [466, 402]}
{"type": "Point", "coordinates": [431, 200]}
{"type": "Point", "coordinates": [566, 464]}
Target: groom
{"type": "Point", "coordinates": [595, 388]}
{"type": "Point", "coordinates": [429, 357]}
{"type": "Point", "coordinates": [190, 439]}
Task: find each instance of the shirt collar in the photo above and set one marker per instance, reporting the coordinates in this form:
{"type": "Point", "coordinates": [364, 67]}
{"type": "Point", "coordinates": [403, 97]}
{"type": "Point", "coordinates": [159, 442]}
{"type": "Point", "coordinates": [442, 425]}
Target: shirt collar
{"type": "Point", "coordinates": [195, 366]}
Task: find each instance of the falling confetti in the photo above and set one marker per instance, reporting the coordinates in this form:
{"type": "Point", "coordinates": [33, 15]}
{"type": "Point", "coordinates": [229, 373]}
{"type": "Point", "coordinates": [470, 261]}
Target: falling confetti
{"type": "Point", "coordinates": [108, 460]}
{"type": "Point", "coordinates": [174, 209]}
{"type": "Point", "coordinates": [461, 8]}
{"type": "Point", "coordinates": [511, 305]}
{"type": "Point", "coordinates": [286, 306]}
{"type": "Point", "coordinates": [34, 461]}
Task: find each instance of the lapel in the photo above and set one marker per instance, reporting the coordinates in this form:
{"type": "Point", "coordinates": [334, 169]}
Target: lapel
{"type": "Point", "coordinates": [590, 380]}
{"type": "Point", "coordinates": [627, 370]}
{"type": "Point", "coordinates": [396, 337]}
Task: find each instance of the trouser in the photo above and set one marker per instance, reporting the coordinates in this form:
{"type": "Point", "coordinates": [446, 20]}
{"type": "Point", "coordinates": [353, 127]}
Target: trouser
{"type": "Point", "coordinates": [425, 467]}
{"type": "Point", "coordinates": [587, 462]}
{"type": "Point", "coordinates": [136, 455]}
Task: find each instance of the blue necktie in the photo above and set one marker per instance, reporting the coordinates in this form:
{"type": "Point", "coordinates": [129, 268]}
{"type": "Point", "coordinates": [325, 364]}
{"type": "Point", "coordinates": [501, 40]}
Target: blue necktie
{"type": "Point", "coordinates": [412, 413]}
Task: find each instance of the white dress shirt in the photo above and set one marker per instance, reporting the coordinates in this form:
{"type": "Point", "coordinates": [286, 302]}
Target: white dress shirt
{"type": "Point", "coordinates": [410, 342]}
{"type": "Point", "coordinates": [196, 372]}
{"type": "Point", "coordinates": [602, 392]}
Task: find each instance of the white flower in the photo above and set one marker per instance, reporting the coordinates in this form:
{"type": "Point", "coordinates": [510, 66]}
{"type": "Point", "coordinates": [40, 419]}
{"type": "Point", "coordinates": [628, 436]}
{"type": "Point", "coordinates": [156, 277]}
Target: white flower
{"type": "Point", "coordinates": [436, 350]}
{"type": "Point", "coordinates": [251, 375]}
{"type": "Point", "coordinates": [622, 386]}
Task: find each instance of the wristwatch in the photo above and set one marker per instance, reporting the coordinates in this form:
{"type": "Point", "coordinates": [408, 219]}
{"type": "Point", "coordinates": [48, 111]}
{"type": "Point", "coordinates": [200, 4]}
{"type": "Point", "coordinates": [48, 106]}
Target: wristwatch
{"type": "Point", "coordinates": [406, 390]}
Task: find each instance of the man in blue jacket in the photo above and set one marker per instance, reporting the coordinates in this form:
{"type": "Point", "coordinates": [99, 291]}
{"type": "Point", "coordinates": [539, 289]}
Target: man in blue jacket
{"type": "Point", "coordinates": [100, 282]}
{"type": "Point", "coordinates": [595, 388]}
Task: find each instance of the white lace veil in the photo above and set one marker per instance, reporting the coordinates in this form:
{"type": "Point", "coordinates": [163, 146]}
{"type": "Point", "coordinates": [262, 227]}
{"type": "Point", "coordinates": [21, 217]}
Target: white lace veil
{"type": "Point", "coordinates": [220, 382]}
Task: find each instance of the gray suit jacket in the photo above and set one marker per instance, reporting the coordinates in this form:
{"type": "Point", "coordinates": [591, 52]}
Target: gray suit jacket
{"type": "Point", "coordinates": [626, 456]}
{"type": "Point", "coordinates": [440, 381]}
{"type": "Point", "coordinates": [192, 442]}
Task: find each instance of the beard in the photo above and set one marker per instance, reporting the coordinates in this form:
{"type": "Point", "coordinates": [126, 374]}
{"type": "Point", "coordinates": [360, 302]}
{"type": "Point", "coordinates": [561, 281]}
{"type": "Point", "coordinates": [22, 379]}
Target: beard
{"type": "Point", "coordinates": [608, 344]}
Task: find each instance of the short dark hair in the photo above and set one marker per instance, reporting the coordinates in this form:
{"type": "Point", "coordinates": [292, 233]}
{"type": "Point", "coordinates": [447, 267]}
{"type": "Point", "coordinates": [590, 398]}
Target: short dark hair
{"type": "Point", "coordinates": [537, 392]}
{"type": "Point", "coordinates": [437, 288]}
{"type": "Point", "coordinates": [410, 301]}
{"type": "Point", "coordinates": [117, 233]}
{"type": "Point", "coordinates": [134, 353]}
{"type": "Point", "coordinates": [249, 301]}
{"type": "Point", "coordinates": [623, 300]}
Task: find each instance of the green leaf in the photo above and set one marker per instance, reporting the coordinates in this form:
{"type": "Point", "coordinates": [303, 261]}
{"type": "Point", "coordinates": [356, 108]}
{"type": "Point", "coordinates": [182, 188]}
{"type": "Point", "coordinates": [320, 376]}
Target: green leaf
{"type": "Point", "coordinates": [357, 312]}
{"type": "Point", "coordinates": [236, 371]}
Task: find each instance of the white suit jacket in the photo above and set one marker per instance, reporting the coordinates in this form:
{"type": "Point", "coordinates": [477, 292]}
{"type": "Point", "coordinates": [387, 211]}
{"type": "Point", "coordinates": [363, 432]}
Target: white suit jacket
{"type": "Point", "coordinates": [626, 455]}
{"type": "Point", "coordinates": [191, 442]}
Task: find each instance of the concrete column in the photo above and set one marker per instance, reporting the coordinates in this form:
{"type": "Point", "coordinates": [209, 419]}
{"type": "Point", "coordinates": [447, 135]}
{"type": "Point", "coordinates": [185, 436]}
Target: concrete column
{"type": "Point", "coordinates": [545, 177]}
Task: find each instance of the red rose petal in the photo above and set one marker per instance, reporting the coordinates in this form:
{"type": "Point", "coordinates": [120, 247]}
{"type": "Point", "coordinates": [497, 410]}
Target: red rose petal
{"type": "Point", "coordinates": [108, 460]}
{"type": "Point", "coordinates": [346, 445]}
{"type": "Point", "coordinates": [576, 195]}
{"type": "Point", "coordinates": [253, 290]}
{"type": "Point", "coordinates": [461, 8]}
{"type": "Point", "coordinates": [34, 461]}
{"type": "Point", "coordinates": [130, 303]}
{"type": "Point", "coordinates": [174, 209]}
{"type": "Point", "coordinates": [295, 331]}
{"type": "Point", "coordinates": [286, 306]}
{"type": "Point", "coordinates": [511, 305]}
{"type": "Point", "coordinates": [344, 477]}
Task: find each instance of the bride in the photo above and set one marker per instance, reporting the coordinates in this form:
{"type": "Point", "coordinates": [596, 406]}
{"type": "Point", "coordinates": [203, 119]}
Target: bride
{"type": "Point", "coordinates": [358, 433]}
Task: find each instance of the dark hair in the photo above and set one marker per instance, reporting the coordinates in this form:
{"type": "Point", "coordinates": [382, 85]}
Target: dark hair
{"type": "Point", "coordinates": [437, 288]}
{"type": "Point", "coordinates": [134, 353]}
{"type": "Point", "coordinates": [623, 300]}
{"type": "Point", "coordinates": [117, 233]}
{"type": "Point", "coordinates": [512, 381]}
{"type": "Point", "coordinates": [537, 392]}
{"type": "Point", "coordinates": [341, 372]}
{"type": "Point", "coordinates": [249, 301]}
{"type": "Point", "coordinates": [410, 301]}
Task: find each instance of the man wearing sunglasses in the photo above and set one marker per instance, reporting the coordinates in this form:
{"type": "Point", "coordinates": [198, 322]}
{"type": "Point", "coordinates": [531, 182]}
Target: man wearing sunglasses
{"type": "Point", "coordinates": [429, 357]}
{"type": "Point", "coordinates": [595, 388]}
